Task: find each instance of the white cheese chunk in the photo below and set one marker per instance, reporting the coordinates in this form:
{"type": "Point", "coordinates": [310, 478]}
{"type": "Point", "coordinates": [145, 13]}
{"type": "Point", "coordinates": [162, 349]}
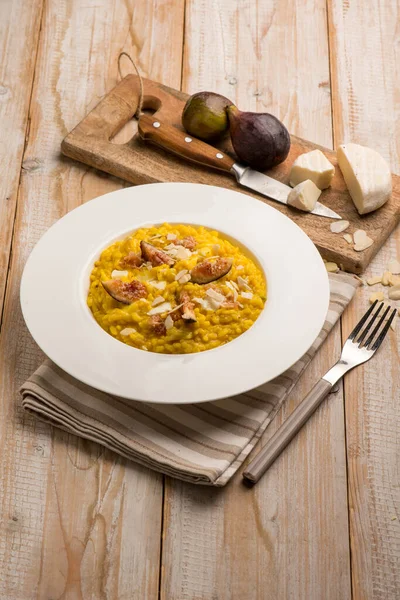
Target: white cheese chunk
{"type": "Point", "coordinates": [304, 196]}
{"type": "Point", "coordinates": [367, 176]}
{"type": "Point", "coordinates": [312, 165]}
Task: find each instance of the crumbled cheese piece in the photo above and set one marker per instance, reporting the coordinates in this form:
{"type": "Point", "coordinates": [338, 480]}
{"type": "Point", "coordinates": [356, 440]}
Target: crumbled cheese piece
{"type": "Point", "coordinates": [376, 296]}
{"type": "Point", "coordinates": [180, 274]}
{"type": "Point", "coordinates": [171, 236]}
{"type": "Point", "coordinates": [161, 308]}
{"type": "Point", "coordinates": [374, 280]}
{"type": "Point", "coordinates": [159, 285]}
{"type": "Point", "coordinates": [304, 196]}
{"type": "Point", "coordinates": [387, 278]}
{"type": "Point", "coordinates": [394, 267]}
{"type": "Point", "coordinates": [169, 323]}
{"type": "Point", "coordinates": [247, 295]}
{"type": "Point", "coordinates": [348, 237]}
{"type": "Point", "coordinates": [242, 283]}
{"type": "Point", "coordinates": [127, 331]}
{"type": "Point", "coordinates": [331, 267]}
{"type": "Point", "coordinates": [158, 300]}
{"type": "Point", "coordinates": [118, 274]}
{"type": "Point", "coordinates": [339, 226]}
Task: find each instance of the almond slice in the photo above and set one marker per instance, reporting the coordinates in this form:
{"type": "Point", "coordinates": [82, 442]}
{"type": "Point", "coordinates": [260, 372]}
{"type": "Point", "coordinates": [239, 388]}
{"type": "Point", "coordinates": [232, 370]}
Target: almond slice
{"type": "Point", "coordinates": [339, 226]}
{"type": "Point", "coordinates": [376, 296]}
{"type": "Point", "coordinates": [215, 295]}
{"type": "Point", "coordinates": [180, 274]}
{"type": "Point", "coordinates": [359, 236]}
{"type": "Point", "coordinates": [158, 300]}
{"type": "Point", "coordinates": [161, 308]}
{"type": "Point", "coordinates": [363, 244]}
{"type": "Point", "coordinates": [247, 295]}
{"type": "Point", "coordinates": [127, 331]}
{"type": "Point", "coordinates": [394, 292]}
{"type": "Point", "coordinates": [374, 280]}
{"type": "Point", "coordinates": [331, 267]}
{"type": "Point", "coordinates": [242, 283]}
{"type": "Point", "coordinates": [387, 278]}
{"type": "Point", "coordinates": [159, 285]}
{"type": "Point", "coordinates": [394, 267]}
{"type": "Point", "coordinates": [185, 278]}
{"type": "Point", "coordinates": [118, 274]}
{"type": "Point", "coordinates": [171, 236]}
{"type": "Point", "coordinates": [169, 323]}
{"type": "Point", "coordinates": [349, 238]}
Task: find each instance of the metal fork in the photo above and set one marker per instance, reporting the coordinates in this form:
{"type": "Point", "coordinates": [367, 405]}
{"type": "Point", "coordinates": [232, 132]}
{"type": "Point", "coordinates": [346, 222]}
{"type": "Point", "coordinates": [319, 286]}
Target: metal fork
{"type": "Point", "coordinates": [358, 348]}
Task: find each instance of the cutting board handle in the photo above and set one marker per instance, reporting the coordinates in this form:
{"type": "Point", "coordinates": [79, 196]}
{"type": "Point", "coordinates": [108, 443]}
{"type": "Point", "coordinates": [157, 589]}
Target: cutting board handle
{"type": "Point", "coordinates": [151, 129]}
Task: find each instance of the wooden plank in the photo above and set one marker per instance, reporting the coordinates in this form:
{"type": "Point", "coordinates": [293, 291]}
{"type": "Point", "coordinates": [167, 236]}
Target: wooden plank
{"type": "Point", "coordinates": [19, 31]}
{"type": "Point", "coordinates": [365, 98]}
{"type": "Point", "coordinates": [76, 522]}
{"type": "Point", "coordinates": [288, 536]}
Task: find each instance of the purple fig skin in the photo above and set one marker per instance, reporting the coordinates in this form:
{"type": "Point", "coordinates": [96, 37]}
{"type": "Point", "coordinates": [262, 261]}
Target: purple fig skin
{"type": "Point", "coordinates": [260, 140]}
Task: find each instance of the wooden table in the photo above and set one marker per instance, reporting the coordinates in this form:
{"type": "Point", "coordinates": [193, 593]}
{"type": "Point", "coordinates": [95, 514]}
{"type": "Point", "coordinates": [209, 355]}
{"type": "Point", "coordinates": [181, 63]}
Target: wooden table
{"type": "Point", "coordinates": [78, 522]}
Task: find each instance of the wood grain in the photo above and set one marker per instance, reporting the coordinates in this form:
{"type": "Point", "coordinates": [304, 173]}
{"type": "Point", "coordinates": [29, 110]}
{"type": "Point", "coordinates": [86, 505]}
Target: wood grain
{"type": "Point", "coordinates": [140, 163]}
{"type": "Point", "coordinates": [288, 536]}
{"type": "Point", "coordinates": [18, 21]}
{"type": "Point", "coordinates": [77, 522]}
{"type": "Point", "coordinates": [365, 99]}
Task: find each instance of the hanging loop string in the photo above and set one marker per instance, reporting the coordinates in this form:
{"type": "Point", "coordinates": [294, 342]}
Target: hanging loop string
{"type": "Point", "coordinates": [140, 103]}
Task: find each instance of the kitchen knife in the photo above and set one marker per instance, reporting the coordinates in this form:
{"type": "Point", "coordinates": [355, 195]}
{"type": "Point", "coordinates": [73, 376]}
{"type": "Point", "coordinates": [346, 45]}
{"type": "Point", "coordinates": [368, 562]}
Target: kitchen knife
{"type": "Point", "coordinates": [170, 138]}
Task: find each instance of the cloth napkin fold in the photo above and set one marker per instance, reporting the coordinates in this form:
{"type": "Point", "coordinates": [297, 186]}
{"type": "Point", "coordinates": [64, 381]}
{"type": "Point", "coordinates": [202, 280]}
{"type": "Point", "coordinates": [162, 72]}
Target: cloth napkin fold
{"type": "Point", "coordinates": [201, 443]}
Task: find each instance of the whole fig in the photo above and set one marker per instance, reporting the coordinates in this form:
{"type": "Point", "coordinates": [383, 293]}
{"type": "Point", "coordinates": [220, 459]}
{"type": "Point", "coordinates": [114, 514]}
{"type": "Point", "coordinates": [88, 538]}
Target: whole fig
{"type": "Point", "coordinates": [204, 115]}
{"type": "Point", "coordinates": [260, 140]}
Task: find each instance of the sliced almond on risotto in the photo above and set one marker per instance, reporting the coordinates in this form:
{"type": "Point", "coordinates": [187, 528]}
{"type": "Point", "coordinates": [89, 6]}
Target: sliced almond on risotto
{"type": "Point", "coordinates": [171, 236]}
{"type": "Point", "coordinates": [169, 323]}
{"type": "Point", "coordinates": [242, 283]}
{"type": "Point", "coordinates": [339, 226]}
{"type": "Point", "coordinates": [247, 295]}
{"type": "Point", "coordinates": [127, 331]}
{"type": "Point", "coordinates": [118, 274]}
{"type": "Point", "coordinates": [180, 274]}
{"type": "Point", "coordinates": [161, 308]}
{"type": "Point", "coordinates": [185, 279]}
{"type": "Point", "coordinates": [217, 296]}
{"type": "Point", "coordinates": [158, 300]}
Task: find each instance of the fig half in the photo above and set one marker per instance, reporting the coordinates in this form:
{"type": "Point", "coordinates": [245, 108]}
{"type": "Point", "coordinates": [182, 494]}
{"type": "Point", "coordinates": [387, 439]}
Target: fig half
{"type": "Point", "coordinates": [154, 255]}
{"type": "Point", "coordinates": [260, 140]}
{"type": "Point", "coordinates": [210, 270]}
{"type": "Point", "coordinates": [187, 308]}
{"type": "Point", "coordinates": [125, 292]}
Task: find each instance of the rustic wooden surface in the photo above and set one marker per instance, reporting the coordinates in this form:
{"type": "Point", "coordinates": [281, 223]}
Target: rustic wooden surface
{"type": "Point", "coordinates": [139, 162]}
{"type": "Point", "coordinates": [77, 522]}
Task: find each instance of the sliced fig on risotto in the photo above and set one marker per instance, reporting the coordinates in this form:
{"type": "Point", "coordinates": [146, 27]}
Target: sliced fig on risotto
{"type": "Point", "coordinates": [123, 291]}
{"type": "Point", "coordinates": [157, 325]}
{"type": "Point", "coordinates": [131, 260]}
{"type": "Point", "coordinates": [210, 270]}
{"type": "Point", "coordinates": [187, 308]}
{"type": "Point", "coordinates": [154, 255]}
{"type": "Point", "coordinates": [188, 242]}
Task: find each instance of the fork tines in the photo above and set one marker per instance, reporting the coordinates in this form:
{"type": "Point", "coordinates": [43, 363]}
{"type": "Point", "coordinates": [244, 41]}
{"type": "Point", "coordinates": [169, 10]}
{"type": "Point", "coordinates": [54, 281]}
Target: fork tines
{"type": "Point", "coordinates": [363, 331]}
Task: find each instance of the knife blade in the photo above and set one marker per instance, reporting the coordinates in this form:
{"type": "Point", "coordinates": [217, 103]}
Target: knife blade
{"type": "Point", "coordinates": [170, 138]}
{"type": "Point", "coordinates": [271, 188]}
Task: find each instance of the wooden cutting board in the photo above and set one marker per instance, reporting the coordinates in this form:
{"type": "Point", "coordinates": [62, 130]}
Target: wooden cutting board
{"type": "Point", "coordinates": [140, 163]}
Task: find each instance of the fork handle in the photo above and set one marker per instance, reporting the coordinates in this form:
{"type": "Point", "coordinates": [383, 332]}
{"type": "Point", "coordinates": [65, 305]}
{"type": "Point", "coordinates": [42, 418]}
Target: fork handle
{"type": "Point", "coordinates": [287, 431]}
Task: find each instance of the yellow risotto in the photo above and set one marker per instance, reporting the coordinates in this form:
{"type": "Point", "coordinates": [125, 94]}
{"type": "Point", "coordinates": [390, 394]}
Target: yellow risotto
{"type": "Point", "coordinates": [175, 289]}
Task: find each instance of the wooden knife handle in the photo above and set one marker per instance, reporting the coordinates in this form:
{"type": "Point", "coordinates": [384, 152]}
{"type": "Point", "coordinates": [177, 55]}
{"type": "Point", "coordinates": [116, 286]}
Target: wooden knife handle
{"type": "Point", "coordinates": [183, 144]}
{"type": "Point", "coordinates": [287, 431]}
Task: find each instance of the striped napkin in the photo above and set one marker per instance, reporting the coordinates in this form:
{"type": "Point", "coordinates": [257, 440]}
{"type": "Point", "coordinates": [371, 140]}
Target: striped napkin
{"type": "Point", "coordinates": [201, 443]}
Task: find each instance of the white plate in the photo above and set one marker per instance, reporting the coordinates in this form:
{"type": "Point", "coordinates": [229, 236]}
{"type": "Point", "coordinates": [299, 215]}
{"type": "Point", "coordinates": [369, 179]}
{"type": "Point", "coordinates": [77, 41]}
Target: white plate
{"type": "Point", "coordinates": [56, 277]}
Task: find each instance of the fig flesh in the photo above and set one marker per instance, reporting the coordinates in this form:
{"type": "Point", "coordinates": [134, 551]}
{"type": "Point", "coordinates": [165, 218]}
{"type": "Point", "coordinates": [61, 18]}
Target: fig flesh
{"type": "Point", "coordinates": [260, 140]}
{"type": "Point", "coordinates": [154, 255]}
{"type": "Point", "coordinates": [211, 270]}
{"type": "Point", "coordinates": [204, 115]}
{"type": "Point", "coordinates": [131, 260]}
{"type": "Point", "coordinates": [187, 308]}
{"type": "Point", "coordinates": [125, 292]}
